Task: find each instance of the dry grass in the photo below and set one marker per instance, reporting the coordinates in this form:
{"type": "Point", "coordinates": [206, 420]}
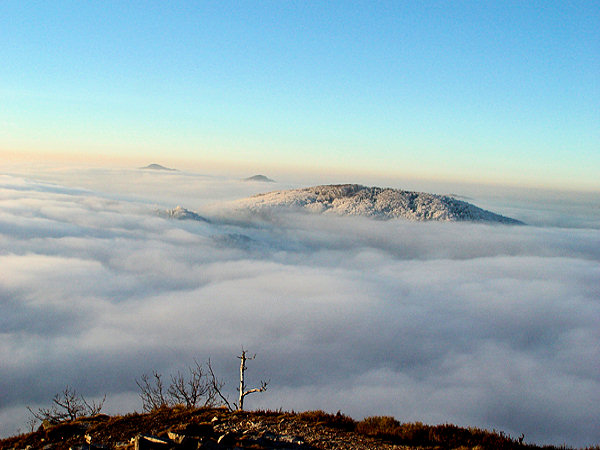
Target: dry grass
{"type": "Point", "coordinates": [120, 429]}
{"type": "Point", "coordinates": [338, 420]}
{"type": "Point", "coordinates": [447, 435]}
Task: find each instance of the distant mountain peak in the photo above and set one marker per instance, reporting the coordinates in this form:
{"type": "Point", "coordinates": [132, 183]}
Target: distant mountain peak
{"type": "Point", "coordinates": [181, 213]}
{"type": "Point", "coordinates": [375, 202]}
{"type": "Point", "coordinates": [262, 178]}
{"type": "Point", "coordinates": [157, 167]}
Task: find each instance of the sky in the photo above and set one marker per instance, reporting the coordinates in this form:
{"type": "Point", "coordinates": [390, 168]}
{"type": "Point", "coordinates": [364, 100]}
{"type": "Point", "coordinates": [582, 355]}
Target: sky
{"type": "Point", "coordinates": [492, 326]}
{"type": "Point", "coordinates": [488, 92]}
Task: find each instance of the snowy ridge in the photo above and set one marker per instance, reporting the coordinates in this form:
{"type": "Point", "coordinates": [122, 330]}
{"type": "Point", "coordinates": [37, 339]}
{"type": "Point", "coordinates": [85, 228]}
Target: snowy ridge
{"type": "Point", "coordinates": [181, 213]}
{"type": "Point", "coordinates": [381, 203]}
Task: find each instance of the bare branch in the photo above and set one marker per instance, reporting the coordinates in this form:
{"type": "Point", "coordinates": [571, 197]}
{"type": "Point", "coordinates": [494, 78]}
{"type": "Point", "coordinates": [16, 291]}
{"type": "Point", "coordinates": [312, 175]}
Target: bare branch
{"type": "Point", "coordinates": [70, 401]}
{"type": "Point", "coordinates": [93, 408]}
{"type": "Point", "coordinates": [217, 385]}
{"type": "Point", "coordinates": [152, 392]}
{"type": "Point", "coordinates": [262, 388]}
{"type": "Point", "coordinates": [68, 405]}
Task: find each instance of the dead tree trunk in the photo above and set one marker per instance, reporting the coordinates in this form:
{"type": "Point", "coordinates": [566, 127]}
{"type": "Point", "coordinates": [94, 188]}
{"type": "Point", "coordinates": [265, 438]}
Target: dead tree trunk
{"type": "Point", "coordinates": [242, 389]}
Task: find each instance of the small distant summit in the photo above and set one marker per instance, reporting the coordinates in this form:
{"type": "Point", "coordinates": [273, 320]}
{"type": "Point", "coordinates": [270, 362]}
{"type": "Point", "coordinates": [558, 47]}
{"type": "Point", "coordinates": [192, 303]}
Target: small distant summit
{"type": "Point", "coordinates": [181, 213]}
{"type": "Point", "coordinates": [157, 167]}
{"type": "Point", "coordinates": [262, 178]}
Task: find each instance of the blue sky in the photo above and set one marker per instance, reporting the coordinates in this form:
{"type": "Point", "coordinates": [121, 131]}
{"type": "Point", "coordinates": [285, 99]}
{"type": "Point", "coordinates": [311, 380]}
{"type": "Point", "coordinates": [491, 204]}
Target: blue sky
{"type": "Point", "coordinates": [499, 92]}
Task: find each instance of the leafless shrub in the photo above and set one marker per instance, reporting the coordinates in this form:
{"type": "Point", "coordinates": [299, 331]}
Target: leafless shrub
{"type": "Point", "coordinates": [192, 391]}
{"type": "Point", "coordinates": [217, 386]}
{"type": "Point", "coordinates": [152, 392]}
{"type": "Point", "coordinates": [67, 405]}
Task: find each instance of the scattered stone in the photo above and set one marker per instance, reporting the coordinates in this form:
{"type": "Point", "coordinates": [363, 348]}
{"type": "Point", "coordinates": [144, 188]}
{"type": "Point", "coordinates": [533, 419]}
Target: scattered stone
{"type": "Point", "coordinates": [209, 444]}
{"type": "Point", "coordinates": [200, 429]}
{"type": "Point", "coordinates": [146, 442]}
{"type": "Point", "coordinates": [292, 439]}
{"type": "Point", "coordinates": [176, 437]}
{"type": "Point", "coordinates": [227, 439]}
{"type": "Point", "coordinates": [88, 447]}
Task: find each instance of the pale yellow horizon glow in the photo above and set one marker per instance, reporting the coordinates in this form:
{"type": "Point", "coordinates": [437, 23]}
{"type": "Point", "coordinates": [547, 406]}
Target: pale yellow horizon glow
{"type": "Point", "coordinates": [324, 171]}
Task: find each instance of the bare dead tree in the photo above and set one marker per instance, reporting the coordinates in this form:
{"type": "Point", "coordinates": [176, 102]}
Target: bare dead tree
{"type": "Point", "coordinates": [68, 405]}
{"type": "Point", "coordinates": [242, 389]}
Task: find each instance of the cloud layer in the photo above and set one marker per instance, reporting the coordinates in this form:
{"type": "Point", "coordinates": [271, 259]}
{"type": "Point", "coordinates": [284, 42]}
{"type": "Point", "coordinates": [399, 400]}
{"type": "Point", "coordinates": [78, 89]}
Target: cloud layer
{"type": "Point", "coordinates": [490, 326]}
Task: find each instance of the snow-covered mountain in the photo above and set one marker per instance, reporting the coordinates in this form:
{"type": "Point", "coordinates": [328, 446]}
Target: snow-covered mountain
{"type": "Point", "coordinates": [181, 213]}
{"type": "Point", "coordinates": [381, 203]}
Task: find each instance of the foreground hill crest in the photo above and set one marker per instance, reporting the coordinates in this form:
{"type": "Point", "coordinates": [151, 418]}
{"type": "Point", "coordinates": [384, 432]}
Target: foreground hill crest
{"type": "Point", "coordinates": [375, 202]}
{"type": "Point", "coordinates": [182, 428]}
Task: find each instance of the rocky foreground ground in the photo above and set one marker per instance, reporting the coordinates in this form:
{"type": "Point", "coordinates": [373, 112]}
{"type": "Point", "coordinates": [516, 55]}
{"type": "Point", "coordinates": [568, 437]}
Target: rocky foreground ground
{"type": "Point", "coordinates": [219, 429]}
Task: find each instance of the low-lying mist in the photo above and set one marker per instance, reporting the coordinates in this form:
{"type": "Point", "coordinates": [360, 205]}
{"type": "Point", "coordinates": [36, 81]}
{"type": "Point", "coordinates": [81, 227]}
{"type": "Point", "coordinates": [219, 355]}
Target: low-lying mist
{"type": "Point", "coordinates": [478, 325]}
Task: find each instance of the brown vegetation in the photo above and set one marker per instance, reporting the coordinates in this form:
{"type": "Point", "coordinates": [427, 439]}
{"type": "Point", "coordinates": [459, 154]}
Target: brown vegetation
{"type": "Point", "coordinates": [218, 428]}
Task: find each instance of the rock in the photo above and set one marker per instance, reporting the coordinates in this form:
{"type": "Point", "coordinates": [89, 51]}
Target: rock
{"type": "Point", "coordinates": [209, 444]}
{"type": "Point", "coordinates": [298, 440]}
{"type": "Point", "coordinates": [88, 447]}
{"type": "Point", "coordinates": [64, 431]}
{"type": "Point", "coordinates": [146, 442]}
{"type": "Point", "coordinates": [268, 435]}
{"type": "Point", "coordinates": [227, 439]}
{"type": "Point", "coordinates": [200, 429]}
{"type": "Point", "coordinates": [176, 437]}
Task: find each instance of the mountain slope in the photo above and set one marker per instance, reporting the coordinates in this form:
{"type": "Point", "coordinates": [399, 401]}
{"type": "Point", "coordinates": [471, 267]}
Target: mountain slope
{"type": "Point", "coordinates": [157, 167]}
{"type": "Point", "coordinates": [262, 178]}
{"type": "Point", "coordinates": [181, 213]}
{"type": "Point", "coordinates": [381, 203]}
{"type": "Point", "coordinates": [217, 429]}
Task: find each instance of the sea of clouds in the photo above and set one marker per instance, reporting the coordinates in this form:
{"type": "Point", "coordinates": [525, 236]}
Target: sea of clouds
{"type": "Point", "coordinates": [472, 324]}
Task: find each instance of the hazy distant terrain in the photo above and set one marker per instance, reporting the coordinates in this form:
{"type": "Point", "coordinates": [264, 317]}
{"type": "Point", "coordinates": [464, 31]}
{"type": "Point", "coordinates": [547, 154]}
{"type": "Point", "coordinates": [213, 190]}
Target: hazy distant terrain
{"type": "Point", "coordinates": [157, 167]}
{"type": "Point", "coordinates": [262, 178]}
{"type": "Point", "coordinates": [477, 324]}
{"type": "Point", "coordinates": [383, 203]}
